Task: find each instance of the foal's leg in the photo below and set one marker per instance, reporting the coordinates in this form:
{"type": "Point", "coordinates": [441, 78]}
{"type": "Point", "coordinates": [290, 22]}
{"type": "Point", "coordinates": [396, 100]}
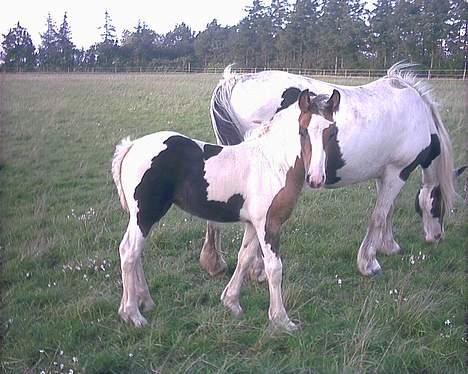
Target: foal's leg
{"type": "Point", "coordinates": [211, 258]}
{"type": "Point", "coordinates": [390, 186]}
{"type": "Point", "coordinates": [230, 295]}
{"type": "Point", "coordinates": [130, 251]}
{"type": "Point", "coordinates": [274, 272]}
{"type": "Point", "coordinates": [257, 268]}
{"type": "Point", "coordinates": [389, 245]}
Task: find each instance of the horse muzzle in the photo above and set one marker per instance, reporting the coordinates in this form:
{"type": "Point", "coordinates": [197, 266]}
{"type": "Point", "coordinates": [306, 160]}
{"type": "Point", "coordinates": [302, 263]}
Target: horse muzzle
{"type": "Point", "coordinates": [315, 182]}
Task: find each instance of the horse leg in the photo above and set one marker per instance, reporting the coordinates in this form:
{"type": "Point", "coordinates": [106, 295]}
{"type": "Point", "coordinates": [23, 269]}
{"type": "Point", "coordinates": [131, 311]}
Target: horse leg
{"type": "Point", "coordinates": [274, 272]}
{"type": "Point", "coordinates": [389, 245]}
{"type": "Point", "coordinates": [130, 251]}
{"type": "Point", "coordinates": [257, 268]}
{"type": "Point", "coordinates": [145, 301]}
{"type": "Point", "coordinates": [211, 258]}
{"type": "Point", "coordinates": [390, 186]}
{"type": "Point", "coordinates": [230, 295]}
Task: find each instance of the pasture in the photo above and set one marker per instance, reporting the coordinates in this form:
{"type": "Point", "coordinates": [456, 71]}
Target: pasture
{"type": "Point", "coordinates": [61, 224]}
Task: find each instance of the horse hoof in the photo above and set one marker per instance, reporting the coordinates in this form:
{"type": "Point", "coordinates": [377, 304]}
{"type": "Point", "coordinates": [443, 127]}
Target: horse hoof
{"type": "Point", "coordinates": [286, 326]}
{"type": "Point", "coordinates": [139, 321]}
{"type": "Point", "coordinates": [148, 305]}
{"type": "Point", "coordinates": [235, 308]}
{"type": "Point", "coordinates": [378, 273]}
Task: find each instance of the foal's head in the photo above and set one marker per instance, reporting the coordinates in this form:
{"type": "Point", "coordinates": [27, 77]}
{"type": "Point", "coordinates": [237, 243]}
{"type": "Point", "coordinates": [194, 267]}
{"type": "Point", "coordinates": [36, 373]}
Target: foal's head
{"type": "Point", "coordinates": [316, 116]}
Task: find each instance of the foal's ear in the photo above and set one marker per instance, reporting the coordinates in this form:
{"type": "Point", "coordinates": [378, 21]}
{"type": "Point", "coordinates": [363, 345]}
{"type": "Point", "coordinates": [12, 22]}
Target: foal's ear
{"type": "Point", "coordinates": [334, 101]}
{"type": "Point", "coordinates": [304, 101]}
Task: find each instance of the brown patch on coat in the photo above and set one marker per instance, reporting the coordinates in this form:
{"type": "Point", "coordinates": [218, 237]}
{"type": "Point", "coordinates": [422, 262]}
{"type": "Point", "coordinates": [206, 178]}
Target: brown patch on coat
{"type": "Point", "coordinates": [283, 204]}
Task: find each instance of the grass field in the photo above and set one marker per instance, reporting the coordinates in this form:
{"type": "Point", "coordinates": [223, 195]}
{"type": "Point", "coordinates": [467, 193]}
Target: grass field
{"type": "Point", "coordinates": [61, 224]}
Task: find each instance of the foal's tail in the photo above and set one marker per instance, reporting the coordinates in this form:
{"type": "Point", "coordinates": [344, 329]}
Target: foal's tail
{"type": "Point", "coordinates": [445, 165]}
{"type": "Point", "coordinates": [224, 121]}
{"type": "Point", "coordinates": [121, 151]}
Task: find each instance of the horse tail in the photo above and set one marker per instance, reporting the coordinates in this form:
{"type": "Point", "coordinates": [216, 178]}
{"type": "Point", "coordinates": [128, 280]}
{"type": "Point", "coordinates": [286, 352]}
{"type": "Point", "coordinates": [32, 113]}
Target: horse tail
{"type": "Point", "coordinates": [121, 151]}
{"type": "Point", "coordinates": [445, 165]}
{"type": "Point", "coordinates": [223, 119]}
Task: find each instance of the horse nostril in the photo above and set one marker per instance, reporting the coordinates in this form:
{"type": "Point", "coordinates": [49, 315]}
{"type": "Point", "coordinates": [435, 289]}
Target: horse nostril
{"type": "Point", "coordinates": [438, 236]}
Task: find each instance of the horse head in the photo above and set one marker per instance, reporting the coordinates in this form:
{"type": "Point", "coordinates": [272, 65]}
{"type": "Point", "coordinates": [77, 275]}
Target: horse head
{"type": "Point", "coordinates": [316, 127]}
{"type": "Point", "coordinates": [429, 205]}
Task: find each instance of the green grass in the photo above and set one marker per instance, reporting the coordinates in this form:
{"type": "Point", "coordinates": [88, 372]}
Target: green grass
{"type": "Point", "coordinates": [61, 224]}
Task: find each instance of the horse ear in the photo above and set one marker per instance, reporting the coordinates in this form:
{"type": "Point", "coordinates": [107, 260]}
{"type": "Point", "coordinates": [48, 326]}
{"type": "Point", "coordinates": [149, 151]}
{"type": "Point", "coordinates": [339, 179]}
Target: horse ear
{"type": "Point", "coordinates": [459, 171]}
{"type": "Point", "coordinates": [334, 101]}
{"type": "Point", "coordinates": [304, 101]}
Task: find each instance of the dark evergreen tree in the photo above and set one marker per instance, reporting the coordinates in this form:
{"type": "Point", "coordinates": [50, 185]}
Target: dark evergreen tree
{"type": "Point", "coordinates": [211, 46]}
{"type": "Point", "coordinates": [138, 48]}
{"type": "Point", "coordinates": [18, 50]}
{"type": "Point", "coordinates": [178, 44]}
{"type": "Point", "coordinates": [342, 33]}
{"type": "Point", "coordinates": [457, 40]}
{"type": "Point", "coordinates": [107, 50]}
{"type": "Point", "coordinates": [66, 49]}
{"type": "Point", "coordinates": [384, 40]}
{"type": "Point", "coordinates": [49, 55]}
{"type": "Point", "coordinates": [298, 45]}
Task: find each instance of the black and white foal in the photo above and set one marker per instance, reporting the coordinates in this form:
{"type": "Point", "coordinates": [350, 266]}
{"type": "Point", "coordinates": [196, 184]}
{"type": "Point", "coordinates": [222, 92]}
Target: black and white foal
{"type": "Point", "coordinates": [256, 182]}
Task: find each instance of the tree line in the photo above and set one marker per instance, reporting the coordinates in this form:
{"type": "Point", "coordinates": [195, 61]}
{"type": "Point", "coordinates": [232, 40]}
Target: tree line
{"type": "Point", "coordinates": [309, 34]}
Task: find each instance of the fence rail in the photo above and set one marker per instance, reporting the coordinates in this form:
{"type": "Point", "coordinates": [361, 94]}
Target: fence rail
{"type": "Point", "coordinates": [346, 73]}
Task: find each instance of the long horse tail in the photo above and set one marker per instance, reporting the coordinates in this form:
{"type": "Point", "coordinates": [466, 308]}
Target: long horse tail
{"type": "Point", "coordinates": [223, 119]}
{"type": "Point", "coordinates": [121, 151]}
{"type": "Point", "coordinates": [445, 165]}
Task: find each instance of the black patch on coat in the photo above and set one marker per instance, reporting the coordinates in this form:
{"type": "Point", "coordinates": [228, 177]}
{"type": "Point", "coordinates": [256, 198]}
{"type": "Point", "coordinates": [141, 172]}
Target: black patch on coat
{"type": "Point", "coordinates": [437, 208]}
{"type": "Point", "coordinates": [226, 129]}
{"type": "Point", "coordinates": [417, 206]}
{"type": "Point", "coordinates": [334, 159]}
{"type": "Point", "coordinates": [210, 150]}
{"type": "Point", "coordinates": [424, 158]}
{"type": "Point", "coordinates": [290, 96]}
{"type": "Point", "coordinates": [176, 176]}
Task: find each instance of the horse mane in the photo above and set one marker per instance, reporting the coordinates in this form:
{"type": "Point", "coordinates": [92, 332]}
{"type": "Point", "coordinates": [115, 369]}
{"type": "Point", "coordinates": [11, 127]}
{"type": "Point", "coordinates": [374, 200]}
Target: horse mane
{"type": "Point", "coordinates": [402, 71]}
{"type": "Point", "coordinates": [446, 166]}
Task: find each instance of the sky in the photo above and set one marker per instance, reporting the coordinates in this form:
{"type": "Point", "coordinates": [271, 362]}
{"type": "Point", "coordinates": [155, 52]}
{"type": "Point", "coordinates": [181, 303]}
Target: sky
{"type": "Point", "coordinates": [85, 16]}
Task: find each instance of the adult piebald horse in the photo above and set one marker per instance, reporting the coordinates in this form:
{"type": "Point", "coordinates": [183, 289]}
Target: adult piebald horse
{"type": "Point", "coordinates": [383, 131]}
{"type": "Point", "coordinates": [256, 182]}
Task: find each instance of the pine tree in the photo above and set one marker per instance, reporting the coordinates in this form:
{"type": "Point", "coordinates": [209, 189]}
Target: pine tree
{"type": "Point", "coordinates": [384, 41]}
{"type": "Point", "coordinates": [298, 44]}
{"type": "Point", "coordinates": [108, 35]}
{"type": "Point", "coordinates": [107, 50]}
{"type": "Point", "coordinates": [66, 48]}
{"type": "Point", "coordinates": [18, 50]}
{"type": "Point", "coordinates": [49, 56]}
{"type": "Point", "coordinates": [457, 39]}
